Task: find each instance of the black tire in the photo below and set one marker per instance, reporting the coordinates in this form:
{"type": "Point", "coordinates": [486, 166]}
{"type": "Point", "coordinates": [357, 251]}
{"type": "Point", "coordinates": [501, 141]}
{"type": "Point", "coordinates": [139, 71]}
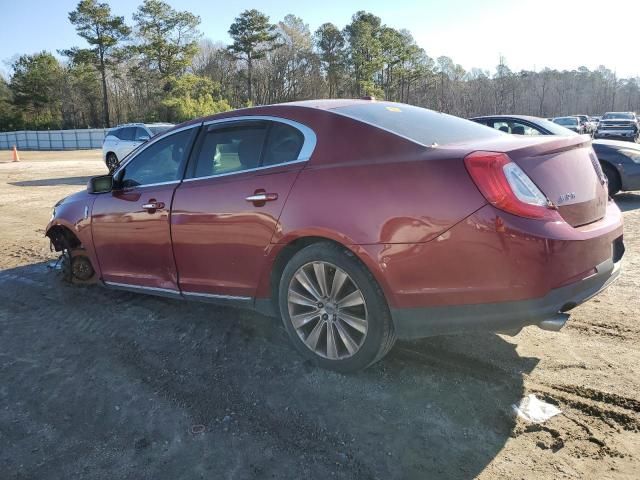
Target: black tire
{"type": "Point", "coordinates": [613, 178]}
{"type": "Point", "coordinates": [380, 335]}
{"type": "Point", "coordinates": [112, 162]}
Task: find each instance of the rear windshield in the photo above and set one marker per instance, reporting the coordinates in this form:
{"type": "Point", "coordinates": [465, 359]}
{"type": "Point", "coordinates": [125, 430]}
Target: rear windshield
{"type": "Point", "coordinates": [418, 124]}
{"type": "Point", "coordinates": [156, 129]}
{"type": "Point", "coordinates": [566, 121]}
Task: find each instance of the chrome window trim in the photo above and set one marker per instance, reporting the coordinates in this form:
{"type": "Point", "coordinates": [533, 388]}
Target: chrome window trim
{"type": "Point", "coordinates": [243, 171]}
{"type": "Point", "coordinates": [216, 297]}
{"type": "Point", "coordinates": [309, 135]}
{"type": "Point", "coordinates": [129, 286]}
{"type": "Point", "coordinates": [137, 187]}
{"type": "Point", "coordinates": [308, 145]}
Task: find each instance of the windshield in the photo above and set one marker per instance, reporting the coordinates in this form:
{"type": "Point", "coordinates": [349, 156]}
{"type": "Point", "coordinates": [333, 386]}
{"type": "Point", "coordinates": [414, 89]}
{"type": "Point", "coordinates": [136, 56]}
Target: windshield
{"type": "Point", "coordinates": [621, 115]}
{"type": "Point", "coordinates": [571, 121]}
{"type": "Point", "coordinates": [420, 125]}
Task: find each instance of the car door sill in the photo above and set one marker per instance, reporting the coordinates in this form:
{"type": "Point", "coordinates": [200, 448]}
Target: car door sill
{"type": "Point", "coordinates": [218, 299]}
{"type": "Point", "coordinates": [195, 296]}
{"type": "Point", "coordinates": [162, 292]}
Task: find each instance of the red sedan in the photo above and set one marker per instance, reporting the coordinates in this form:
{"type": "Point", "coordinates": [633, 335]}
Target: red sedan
{"type": "Point", "coordinates": [357, 222]}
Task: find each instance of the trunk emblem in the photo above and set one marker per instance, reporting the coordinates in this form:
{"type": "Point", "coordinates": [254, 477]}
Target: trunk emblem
{"type": "Point", "coordinates": [565, 197]}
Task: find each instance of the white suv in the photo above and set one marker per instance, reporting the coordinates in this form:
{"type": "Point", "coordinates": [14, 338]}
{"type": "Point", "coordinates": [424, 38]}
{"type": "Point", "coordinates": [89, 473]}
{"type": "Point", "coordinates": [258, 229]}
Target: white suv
{"type": "Point", "coordinates": [121, 140]}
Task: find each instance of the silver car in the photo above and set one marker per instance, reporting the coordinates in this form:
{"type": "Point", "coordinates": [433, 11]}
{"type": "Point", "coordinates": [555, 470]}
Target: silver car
{"type": "Point", "coordinates": [121, 140]}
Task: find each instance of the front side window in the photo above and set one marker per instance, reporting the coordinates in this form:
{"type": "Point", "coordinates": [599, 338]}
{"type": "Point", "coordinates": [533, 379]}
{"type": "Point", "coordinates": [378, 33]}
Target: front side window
{"type": "Point", "coordinates": [160, 162]}
{"type": "Point", "coordinates": [230, 149]}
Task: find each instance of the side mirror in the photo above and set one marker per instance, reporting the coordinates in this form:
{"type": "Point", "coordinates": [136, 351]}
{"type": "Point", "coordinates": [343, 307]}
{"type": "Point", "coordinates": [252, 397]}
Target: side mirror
{"type": "Point", "coordinates": [143, 138]}
{"type": "Point", "coordinates": [100, 184]}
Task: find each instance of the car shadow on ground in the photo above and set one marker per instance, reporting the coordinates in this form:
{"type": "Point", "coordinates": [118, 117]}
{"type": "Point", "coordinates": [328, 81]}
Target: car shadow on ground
{"type": "Point", "coordinates": [99, 382]}
{"type": "Point", "coordinates": [627, 201]}
{"type": "Point", "coordinates": [52, 182]}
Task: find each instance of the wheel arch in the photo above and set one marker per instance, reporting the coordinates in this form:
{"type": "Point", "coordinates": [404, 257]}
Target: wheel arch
{"type": "Point", "coordinates": [611, 165]}
{"type": "Point", "coordinates": [62, 237]}
{"type": "Point", "coordinates": [267, 292]}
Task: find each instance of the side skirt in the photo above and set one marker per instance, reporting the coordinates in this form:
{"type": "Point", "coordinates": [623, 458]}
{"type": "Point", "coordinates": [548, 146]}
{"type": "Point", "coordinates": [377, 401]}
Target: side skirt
{"type": "Point", "coordinates": [226, 300]}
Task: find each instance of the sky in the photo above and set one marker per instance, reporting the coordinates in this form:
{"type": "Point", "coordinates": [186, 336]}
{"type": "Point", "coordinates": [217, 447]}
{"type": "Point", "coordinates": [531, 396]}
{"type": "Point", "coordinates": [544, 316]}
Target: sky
{"type": "Point", "coordinates": [530, 34]}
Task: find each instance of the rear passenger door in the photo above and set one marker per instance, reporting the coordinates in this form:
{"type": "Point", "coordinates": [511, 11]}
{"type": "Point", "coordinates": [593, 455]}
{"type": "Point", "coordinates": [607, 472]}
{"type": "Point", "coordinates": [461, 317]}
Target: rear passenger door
{"type": "Point", "coordinates": [226, 210]}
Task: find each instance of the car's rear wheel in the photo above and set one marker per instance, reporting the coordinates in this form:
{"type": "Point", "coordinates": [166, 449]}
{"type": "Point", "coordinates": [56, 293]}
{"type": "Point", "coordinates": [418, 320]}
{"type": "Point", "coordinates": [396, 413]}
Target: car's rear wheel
{"type": "Point", "coordinates": [334, 310]}
{"type": "Point", "coordinates": [112, 162]}
{"type": "Point", "coordinates": [613, 179]}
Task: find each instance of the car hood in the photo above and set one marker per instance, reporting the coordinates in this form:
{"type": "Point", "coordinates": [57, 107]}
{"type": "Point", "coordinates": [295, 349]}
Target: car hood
{"type": "Point", "coordinates": [80, 196]}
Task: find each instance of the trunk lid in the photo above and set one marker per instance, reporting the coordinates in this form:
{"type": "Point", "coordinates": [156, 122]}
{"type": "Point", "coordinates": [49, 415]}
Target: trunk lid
{"type": "Point", "coordinates": [568, 172]}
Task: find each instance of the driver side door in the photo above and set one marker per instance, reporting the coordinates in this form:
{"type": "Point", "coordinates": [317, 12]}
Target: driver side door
{"type": "Point", "coordinates": [130, 225]}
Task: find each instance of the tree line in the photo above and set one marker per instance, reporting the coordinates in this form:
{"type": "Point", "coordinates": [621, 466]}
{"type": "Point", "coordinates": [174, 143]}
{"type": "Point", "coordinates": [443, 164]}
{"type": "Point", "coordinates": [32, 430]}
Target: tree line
{"type": "Point", "coordinates": [161, 68]}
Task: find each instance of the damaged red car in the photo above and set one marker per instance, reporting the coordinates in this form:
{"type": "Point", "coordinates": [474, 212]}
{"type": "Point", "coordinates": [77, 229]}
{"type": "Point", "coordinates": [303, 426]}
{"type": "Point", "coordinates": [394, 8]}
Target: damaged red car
{"type": "Point", "coordinates": [355, 221]}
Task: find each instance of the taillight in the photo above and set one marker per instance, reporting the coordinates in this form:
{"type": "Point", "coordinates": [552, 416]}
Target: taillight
{"type": "Point", "coordinates": [505, 186]}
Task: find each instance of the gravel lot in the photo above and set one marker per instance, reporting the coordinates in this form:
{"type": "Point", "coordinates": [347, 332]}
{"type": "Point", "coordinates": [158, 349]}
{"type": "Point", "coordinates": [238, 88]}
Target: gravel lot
{"type": "Point", "coordinates": [104, 384]}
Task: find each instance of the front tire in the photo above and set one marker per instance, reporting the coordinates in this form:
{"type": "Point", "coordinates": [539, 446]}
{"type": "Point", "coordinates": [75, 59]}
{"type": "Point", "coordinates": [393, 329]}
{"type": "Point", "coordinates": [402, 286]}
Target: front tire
{"type": "Point", "coordinates": [334, 310]}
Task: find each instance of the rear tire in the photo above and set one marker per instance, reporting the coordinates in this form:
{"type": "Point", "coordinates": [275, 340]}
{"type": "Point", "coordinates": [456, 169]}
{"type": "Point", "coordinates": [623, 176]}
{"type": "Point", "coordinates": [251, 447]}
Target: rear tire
{"type": "Point", "coordinates": [341, 317]}
{"type": "Point", "coordinates": [613, 179]}
{"type": "Point", "coordinates": [112, 162]}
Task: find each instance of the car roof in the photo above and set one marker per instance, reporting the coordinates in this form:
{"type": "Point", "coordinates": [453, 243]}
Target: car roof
{"type": "Point", "coordinates": [275, 109]}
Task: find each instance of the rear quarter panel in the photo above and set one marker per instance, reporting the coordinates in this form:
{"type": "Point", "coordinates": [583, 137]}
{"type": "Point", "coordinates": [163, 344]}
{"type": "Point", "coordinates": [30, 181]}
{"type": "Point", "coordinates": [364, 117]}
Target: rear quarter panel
{"type": "Point", "coordinates": [365, 185]}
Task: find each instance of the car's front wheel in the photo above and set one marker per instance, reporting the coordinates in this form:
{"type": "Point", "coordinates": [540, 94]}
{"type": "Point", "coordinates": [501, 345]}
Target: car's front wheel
{"type": "Point", "coordinates": [112, 162]}
{"type": "Point", "coordinates": [334, 310]}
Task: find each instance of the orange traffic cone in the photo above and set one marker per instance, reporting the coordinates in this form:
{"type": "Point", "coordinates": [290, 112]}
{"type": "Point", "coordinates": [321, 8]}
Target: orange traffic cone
{"type": "Point", "coordinates": [16, 158]}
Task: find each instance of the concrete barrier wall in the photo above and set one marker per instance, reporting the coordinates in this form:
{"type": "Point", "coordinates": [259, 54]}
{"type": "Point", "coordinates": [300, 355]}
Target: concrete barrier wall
{"type": "Point", "coordinates": [53, 139]}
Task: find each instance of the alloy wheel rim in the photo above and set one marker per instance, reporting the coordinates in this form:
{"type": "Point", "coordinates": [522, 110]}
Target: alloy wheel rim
{"type": "Point", "coordinates": [327, 310]}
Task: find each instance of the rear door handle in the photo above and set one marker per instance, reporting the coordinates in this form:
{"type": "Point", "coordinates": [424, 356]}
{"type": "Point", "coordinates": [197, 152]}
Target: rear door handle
{"type": "Point", "coordinates": [262, 197]}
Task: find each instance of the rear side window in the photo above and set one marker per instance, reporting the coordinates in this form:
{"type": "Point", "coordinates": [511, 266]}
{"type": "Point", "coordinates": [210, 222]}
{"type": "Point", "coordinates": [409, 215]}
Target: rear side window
{"type": "Point", "coordinates": [230, 149]}
{"type": "Point", "coordinates": [283, 145]}
{"type": "Point", "coordinates": [420, 125]}
{"type": "Point", "coordinates": [141, 133]}
{"type": "Point", "coordinates": [514, 127]}
{"type": "Point", "coordinates": [126, 134]}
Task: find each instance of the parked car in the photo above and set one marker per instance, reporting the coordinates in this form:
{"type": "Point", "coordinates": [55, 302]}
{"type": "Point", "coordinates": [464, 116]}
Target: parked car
{"type": "Point", "coordinates": [572, 123]}
{"type": "Point", "coordinates": [356, 222]}
{"type": "Point", "coordinates": [593, 121]}
{"type": "Point", "coordinates": [620, 125]}
{"type": "Point", "coordinates": [523, 125]}
{"type": "Point", "coordinates": [123, 139]}
{"type": "Point", "coordinates": [618, 160]}
{"type": "Point", "coordinates": [621, 164]}
{"type": "Point", "coordinates": [587, 126]}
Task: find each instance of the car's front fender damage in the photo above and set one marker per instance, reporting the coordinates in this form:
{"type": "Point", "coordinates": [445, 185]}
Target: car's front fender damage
{"type": "Point", "coordinates": [74, 263]}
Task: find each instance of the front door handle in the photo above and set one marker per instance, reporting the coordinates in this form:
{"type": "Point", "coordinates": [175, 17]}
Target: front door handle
{"type": "Point", "coordinates": [262, 197]}
{"type": "Point", "coordinates": [152, 206]}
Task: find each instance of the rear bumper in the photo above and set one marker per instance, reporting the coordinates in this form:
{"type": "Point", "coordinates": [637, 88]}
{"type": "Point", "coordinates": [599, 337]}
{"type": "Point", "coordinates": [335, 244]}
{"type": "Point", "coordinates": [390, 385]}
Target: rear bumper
{"type": "Point", "coordinates": [440, 320]}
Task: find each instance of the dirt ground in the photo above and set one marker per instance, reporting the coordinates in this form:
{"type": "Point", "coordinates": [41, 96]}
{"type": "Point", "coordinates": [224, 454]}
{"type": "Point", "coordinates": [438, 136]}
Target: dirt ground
{"type": "Point", "coordinates": [104, 384]}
